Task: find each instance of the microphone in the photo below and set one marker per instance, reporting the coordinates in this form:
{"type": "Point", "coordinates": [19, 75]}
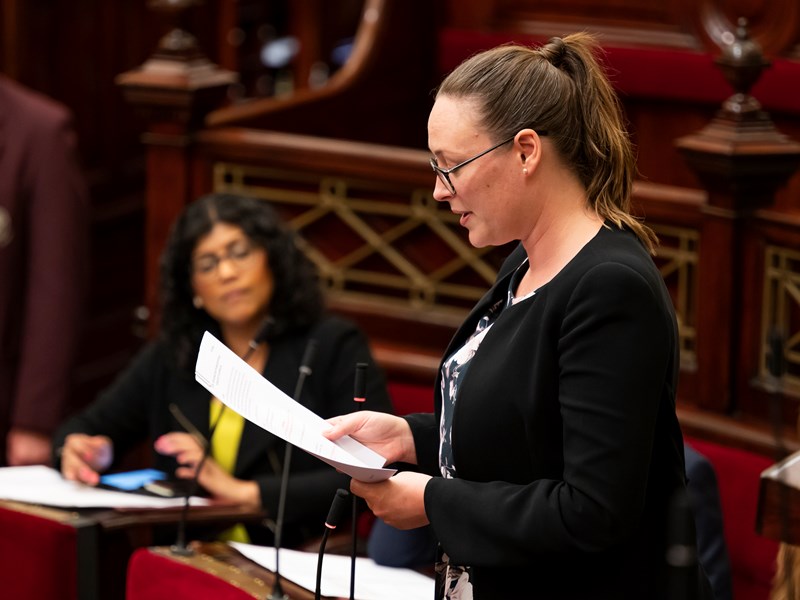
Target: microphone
{"type": "Point", "coordinates": [335, 515]}
{"type": "Point", "coordinates": [360, 387]}
{"type": "Point", "coordinates": [180, 546]}
{"type": "Point", "coordinates": [303, 372]}
{"type": "Point", "coordinates": [681, 554]}
{"type": "Point", "coordinates": [359, 397]}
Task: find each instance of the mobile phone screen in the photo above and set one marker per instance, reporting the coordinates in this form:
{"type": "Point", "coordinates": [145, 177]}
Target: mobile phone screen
{"type": "Point", "coordinates": [132, 480]}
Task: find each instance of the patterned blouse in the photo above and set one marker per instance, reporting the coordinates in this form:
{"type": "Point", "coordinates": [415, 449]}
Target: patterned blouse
{"type": "Point", "coordinates": [454, 581]}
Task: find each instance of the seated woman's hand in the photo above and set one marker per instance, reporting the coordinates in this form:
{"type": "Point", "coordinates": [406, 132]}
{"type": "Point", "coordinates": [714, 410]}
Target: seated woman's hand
{"type": "Point", "coordinates": [84, 457]}
{"type": "Point", "coordinates": [220, 484]}
{"type": "Point", "coordinates": [186, 450]}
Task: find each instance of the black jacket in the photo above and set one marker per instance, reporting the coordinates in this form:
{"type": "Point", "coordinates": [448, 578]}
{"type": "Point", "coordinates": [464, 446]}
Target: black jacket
{"type": "Point", "coordinates": [565, 438]}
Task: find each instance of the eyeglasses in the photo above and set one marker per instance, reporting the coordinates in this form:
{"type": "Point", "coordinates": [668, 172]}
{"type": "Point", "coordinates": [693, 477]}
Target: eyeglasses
{"type": "Point", "coordinates": [444, 174]}
{"type": "Point", "coordinates": [239, 253]}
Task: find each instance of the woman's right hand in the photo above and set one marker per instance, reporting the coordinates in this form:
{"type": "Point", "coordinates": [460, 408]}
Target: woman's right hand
{"type": "Point", "coordinates": [84, 457]}
{"type": "Point", "coordinates": [386, 434]}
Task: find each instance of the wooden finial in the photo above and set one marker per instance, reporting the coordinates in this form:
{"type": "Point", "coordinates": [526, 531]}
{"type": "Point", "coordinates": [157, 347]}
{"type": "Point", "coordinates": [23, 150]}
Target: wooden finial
{"type": "Point", "coordinates": [742, 63]}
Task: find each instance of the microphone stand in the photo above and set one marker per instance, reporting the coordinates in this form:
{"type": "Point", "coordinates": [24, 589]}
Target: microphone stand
{"type": "Point", "coordinates": [359, 397]}
{"type": "Point", "coordinates": [304, 372]}
{"type": "Point", "coordinates": [334, 516]}
{"type": "Point", "coordinates": [180, 547]}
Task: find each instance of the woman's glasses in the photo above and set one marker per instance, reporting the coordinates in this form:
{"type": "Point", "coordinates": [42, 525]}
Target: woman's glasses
{"type": "Point", "coordinates": [444, 174]}
{"type": "Point", "coordinates": [239, 253]}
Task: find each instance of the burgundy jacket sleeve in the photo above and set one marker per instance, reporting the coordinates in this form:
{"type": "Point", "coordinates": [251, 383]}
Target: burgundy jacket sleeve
{"type": "Point", "coordinates": [56, 269]}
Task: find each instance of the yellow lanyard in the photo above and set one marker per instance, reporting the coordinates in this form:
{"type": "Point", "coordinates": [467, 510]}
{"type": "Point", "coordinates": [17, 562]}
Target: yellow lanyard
{"type": "Point", "coordinates": [227, 435]}
{"type": "Point", "coordinates": [225, 449]}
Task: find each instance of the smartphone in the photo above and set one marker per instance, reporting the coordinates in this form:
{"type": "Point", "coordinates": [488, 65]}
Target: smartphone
{"type": "Point", "coordinates": [130, 481]}
{"type": "Point", "coordinates": [173, 488]}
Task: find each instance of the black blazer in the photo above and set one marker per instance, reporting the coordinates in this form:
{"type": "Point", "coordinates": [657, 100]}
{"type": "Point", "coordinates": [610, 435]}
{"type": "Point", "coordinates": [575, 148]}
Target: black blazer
{"type": "Point", "coordinates": [565, 437]}
{"type": "Point", "coordinates": [136, 408]}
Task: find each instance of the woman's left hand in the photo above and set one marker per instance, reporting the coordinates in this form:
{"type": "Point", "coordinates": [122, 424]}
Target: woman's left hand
{"type": "Point", "coordinates": [399, 501]}
{"type": "Point", "coordinates": [218, 482]}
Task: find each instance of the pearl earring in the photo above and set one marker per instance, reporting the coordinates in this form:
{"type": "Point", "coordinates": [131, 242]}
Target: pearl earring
{"type": "Point", "coordinates": [524, 170]}
{"type": "Point", "coordinates": [198, 302]}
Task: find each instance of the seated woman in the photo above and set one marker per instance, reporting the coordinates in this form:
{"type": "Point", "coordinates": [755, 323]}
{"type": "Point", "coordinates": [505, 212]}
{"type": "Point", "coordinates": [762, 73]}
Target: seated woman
{"type": "Point", "coordinates": [230, 266]}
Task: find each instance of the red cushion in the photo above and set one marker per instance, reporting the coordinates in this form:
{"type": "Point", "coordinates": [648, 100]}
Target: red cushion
{"type": "Point", "coordinates": [38, 557]}
{"type": "Point", "coordinates": [647, 72]}
{"type": "Point", "coordinates": [752, 556]}
{"type": "Point", "coordinates": [410, 398]}
{"type": "Point", "coordinates": [155, 577]}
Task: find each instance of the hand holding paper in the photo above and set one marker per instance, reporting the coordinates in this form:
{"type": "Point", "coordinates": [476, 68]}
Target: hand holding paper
{"type": "Point", "coordinates": [244, 390]}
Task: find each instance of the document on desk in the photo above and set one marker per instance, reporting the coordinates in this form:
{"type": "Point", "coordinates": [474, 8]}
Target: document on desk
{"type": "Point", "coordinates": [246, 391]}
{"type": "Point", "coordinates": [42, 485]}
{"type": "Point", "coordinates": [372, 580]}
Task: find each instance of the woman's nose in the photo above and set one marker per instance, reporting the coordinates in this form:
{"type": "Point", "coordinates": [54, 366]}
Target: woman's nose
{"type": "Point", "coordinates": [441, 192]}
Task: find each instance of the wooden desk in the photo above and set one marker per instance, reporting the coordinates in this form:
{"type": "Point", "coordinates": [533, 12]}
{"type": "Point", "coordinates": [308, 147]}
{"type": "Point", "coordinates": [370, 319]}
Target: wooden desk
{"type": "Point", "coordinates": [778, 515]}
{"type": "Point", "coordinates": [90, 559]}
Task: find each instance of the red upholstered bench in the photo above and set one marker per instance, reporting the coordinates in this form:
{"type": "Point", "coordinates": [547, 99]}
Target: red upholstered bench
{"type": "Point", "coordinates": [155, 575]}
{"type": "Point", "coordinates": [667, 74]}
{"type": "Point", "coordinates": [752, 556]}
{"type": "Point", "coordinates": [408, 398]}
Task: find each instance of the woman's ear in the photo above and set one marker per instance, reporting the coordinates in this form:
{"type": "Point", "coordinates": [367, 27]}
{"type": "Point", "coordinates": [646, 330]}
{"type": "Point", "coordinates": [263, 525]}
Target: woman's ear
{"type": "Point", "coordinates": [529, 145]}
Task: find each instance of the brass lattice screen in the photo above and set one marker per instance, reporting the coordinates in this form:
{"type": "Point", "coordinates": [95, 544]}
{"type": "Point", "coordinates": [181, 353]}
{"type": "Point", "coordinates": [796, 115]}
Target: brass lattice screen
{"type": "Point", "coordinates": [677, 261]}
{"type": "Point", "coordinates": [781, 311]}
{"type": "Point", "coordinates": [385, 242]}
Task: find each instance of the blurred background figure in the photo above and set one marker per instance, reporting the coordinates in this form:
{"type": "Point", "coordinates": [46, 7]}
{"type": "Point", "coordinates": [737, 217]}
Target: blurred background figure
{"type": "Point", "coordinates": [43, 264]}
{"type": "Point", "coordinates": [230, 266]}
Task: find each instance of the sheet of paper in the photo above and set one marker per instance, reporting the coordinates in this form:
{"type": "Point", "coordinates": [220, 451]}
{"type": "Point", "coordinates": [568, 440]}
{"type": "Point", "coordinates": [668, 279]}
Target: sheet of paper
{"type": "Point", "coordinates": [43, 485]}
{"type": "Point", "coordinates": [786, 471]}
{"type": "Point", "coordinates": [246, 391]}
{"type": "Point", "coordinates": [373, 582]}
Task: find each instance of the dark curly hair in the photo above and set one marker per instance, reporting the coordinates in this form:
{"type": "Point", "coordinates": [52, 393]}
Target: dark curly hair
{"type": "Point", "coordinates": [297, 300]}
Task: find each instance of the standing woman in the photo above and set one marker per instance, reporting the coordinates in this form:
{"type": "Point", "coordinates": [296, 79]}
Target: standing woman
{"type": "Point", "coordinates": [229, 265]}
{"type": "Point", "coordinates": [548, 466]}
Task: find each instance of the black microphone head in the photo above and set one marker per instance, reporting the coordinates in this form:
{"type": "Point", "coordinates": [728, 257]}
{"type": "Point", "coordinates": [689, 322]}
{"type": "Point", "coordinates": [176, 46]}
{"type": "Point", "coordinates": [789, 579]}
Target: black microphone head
{"type": "Point", "coordinates": [360, 391]}
{"type": "Point", "coordinates": [263, 333]}
{"type": "Point", "coordinates": [338, 506]}
{"type": "Point", "coordinates": [308, 356]}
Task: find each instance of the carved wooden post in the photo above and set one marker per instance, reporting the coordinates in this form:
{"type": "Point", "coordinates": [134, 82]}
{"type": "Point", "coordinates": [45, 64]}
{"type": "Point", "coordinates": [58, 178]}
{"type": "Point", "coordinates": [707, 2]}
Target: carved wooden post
{"type": "Point", "coordinates": [741, 160]}
{"type": "Point", "coordinates": [173, 90]}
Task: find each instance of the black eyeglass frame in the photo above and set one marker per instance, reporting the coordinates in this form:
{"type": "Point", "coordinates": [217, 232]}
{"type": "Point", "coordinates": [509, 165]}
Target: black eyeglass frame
{"type": "Point", "coordinates": [444, 174]}
{"type": "Point", "coordinates": [207, 264]}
